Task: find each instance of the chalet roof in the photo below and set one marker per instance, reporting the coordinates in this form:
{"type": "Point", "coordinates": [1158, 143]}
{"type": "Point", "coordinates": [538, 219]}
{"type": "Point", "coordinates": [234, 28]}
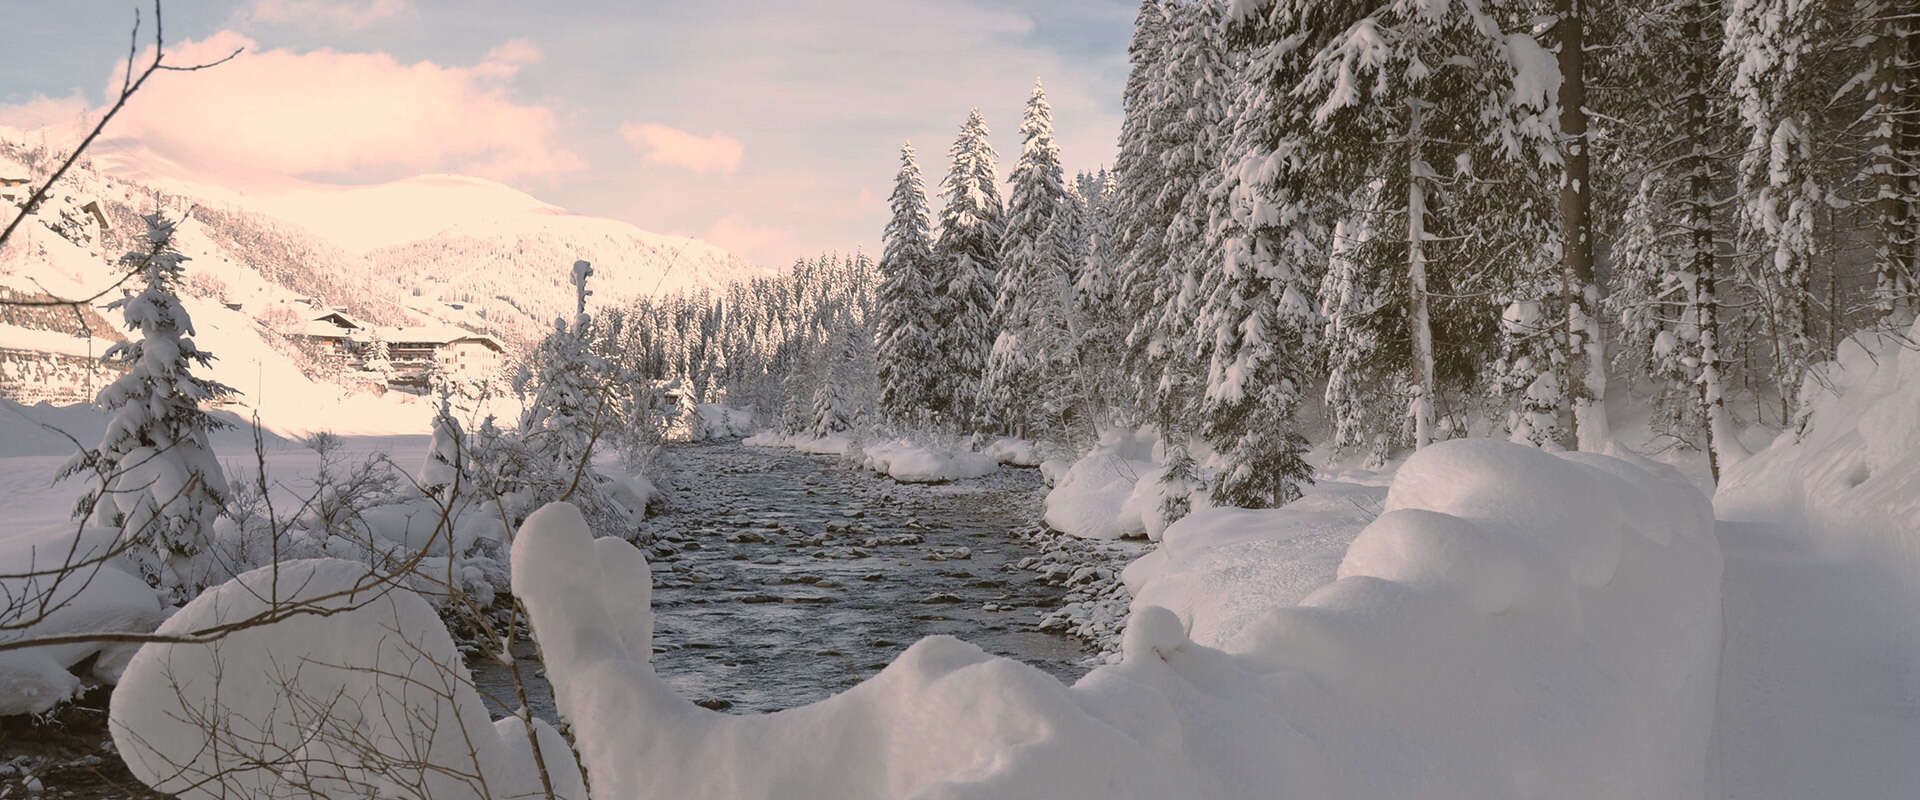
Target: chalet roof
{"type": "Point", "coordinates": [339, 325]}
{"type": "Point", "coordinates": [341, 319]}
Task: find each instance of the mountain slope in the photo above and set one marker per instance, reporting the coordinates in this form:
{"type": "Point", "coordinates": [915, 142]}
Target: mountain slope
{"type": "Point", "coordinates": [433, 248]}
{"type": "Point", "coordinates": [519, 266]}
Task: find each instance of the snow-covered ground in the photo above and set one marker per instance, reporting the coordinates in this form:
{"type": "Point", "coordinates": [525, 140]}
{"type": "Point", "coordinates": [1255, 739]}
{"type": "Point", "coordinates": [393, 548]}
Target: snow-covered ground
{"type": "Point", "coordinates": [1820, 676]}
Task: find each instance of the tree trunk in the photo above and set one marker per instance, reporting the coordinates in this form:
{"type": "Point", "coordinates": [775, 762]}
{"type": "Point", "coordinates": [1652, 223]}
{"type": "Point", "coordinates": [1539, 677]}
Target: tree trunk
{"type": "Point", "coordinates": [1892, 153]}
{"type": "Point", "coordinates": [1723, 444]}
{"type": "Point", "coordinates": [1421, 406]}
{"type": "Point", "coordinates": [1586, 344]}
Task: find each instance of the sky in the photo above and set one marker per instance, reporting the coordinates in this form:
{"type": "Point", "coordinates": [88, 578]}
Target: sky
{"type": "Point", "coordinates": [771, 128]}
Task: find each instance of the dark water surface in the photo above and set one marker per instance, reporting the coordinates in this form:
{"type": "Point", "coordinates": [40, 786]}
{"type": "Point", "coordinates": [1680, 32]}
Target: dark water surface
{"type": "Point", "coordinates": [781, 578]}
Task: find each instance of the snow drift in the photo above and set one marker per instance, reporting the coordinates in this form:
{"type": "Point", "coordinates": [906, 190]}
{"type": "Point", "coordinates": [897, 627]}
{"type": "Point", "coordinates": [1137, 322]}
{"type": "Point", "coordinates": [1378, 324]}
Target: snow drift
{"type": "Point", "coordinates": [98, 592]}
{"type": "Point", "coordinates": [1852, 477]}
{"type": "Point", "coordinates": [366, 698]}
{"type": "Point", "coordinates": [909, 461]}
{"type": "Point", "coordinates": [1515, 624]}
{"type": "Point", "coordinates": [1111, 492]}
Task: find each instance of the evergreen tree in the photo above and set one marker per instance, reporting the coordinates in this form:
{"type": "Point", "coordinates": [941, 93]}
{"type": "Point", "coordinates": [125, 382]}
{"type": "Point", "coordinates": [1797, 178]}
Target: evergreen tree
{"type": "Point", "coordinates": [565, 386]}
{"type": "Point", "coordinates": [1021, 379]}
{"type": "Point", "coordinates": [161, 485]}
{"type": "Point", "coordinates": [906, 304]}
{"type": "Point", "coordinates": [1142, 210]}
{"type": "Point", "coordinates": [971, 225]}
{"type": "Point", "coordinates": [1099, 328]}
{"type": "Point", "coordinates": [1777, 88]}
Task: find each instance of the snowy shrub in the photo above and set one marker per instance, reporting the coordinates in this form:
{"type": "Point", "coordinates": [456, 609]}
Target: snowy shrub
{"type": "Point", "coordinates": [356, 690]}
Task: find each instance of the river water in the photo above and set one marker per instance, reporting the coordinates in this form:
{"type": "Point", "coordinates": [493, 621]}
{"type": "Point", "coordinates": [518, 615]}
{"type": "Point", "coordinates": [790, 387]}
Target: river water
{"type": "Point", "coordinates": [781, 578]}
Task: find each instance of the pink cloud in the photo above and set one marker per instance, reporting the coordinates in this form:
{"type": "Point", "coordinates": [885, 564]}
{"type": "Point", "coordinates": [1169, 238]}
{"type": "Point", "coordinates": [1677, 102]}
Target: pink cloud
{"type": "Point", "coordinates": [675, 147]}
{"type": "Point", "coordinates": [324, 112]}
{"type": "Point", "coordinates": [45, 112]}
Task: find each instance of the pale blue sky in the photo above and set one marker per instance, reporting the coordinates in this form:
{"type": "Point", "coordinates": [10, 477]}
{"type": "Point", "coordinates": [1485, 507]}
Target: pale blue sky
{"type": "Point", "coordinates": [769, 128]}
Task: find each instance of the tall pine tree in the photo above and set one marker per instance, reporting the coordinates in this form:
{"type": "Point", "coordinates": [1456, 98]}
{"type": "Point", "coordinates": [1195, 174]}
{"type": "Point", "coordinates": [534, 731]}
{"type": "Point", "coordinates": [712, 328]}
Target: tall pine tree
{"type": "Point", "coordinates": [905, 342]}
{"type": "Point", "coordinates": [968, 254]}
{"type": "Point", "coordinates": [162, 487]}
{"type": "Point", "coordinates": [1022, 371]}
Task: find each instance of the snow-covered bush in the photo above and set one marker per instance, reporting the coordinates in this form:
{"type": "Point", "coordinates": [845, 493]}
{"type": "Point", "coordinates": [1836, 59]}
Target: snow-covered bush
{"type": "Point", "coordinates": [354, 690]}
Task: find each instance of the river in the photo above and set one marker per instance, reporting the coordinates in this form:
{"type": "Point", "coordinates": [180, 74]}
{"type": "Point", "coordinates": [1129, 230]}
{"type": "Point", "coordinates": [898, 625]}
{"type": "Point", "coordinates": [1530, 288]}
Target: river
{"type": "Point", "coordinates": [781, 578]}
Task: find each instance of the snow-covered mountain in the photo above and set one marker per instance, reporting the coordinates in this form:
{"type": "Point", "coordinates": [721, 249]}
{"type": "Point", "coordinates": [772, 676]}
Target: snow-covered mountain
{"type": "Point", "coordinates": [517, 265]}
{"type": "Point", "coordinates": [432, 248]}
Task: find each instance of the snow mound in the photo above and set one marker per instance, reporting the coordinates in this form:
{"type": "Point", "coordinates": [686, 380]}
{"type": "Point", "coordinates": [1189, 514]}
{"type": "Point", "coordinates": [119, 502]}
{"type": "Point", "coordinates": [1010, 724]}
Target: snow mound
{"type": "Point", "coordinates": [1095, 499]}
{"type": "Point", "coordinates": [716, 421]}
{"type": "Point", "coordinates": [367, 698]}
{"type": "Point", "coordinates": [1852, 477]}
{"type": "Point", "coordinates": [1516, 625]}
{"type": "Point", "coordinates": [100, 594]}
{"type": "Point", "coordinates": [1014, 452]}
{"type": "Point", "coordinates": [812, 445]}
{"type": "Point", "coordinates": [921, 462]}
{"type": "Point", "coordinates": [1223, 569]}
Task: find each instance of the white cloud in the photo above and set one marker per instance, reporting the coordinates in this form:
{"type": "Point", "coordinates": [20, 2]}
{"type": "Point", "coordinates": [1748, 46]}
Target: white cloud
{"type": "Point", "coordinates": [45, 112]}
{"type": "Point", "coordinates": [348, 15]}
{"type": "Point", "coordinates": [667, 145]}
{"type": "Point", "coordinates": [276, 112]}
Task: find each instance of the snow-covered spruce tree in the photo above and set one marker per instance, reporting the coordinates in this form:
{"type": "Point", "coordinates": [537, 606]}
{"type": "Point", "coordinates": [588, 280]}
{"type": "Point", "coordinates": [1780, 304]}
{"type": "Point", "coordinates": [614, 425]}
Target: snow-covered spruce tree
{"type": "Point", "coordinates": [568, 409]}
{"type": "Point", "coordinates": [1029, 310]}
{"type": "Point", "coordinates": [1778, 89]}
{"type": "Point", "coordinates": [1099, 328]}
{"type": "Point", "coordinates": [1435, 118]}
{"type": "Point", "coordinates": [161, 486]}
{"type": "Point", "coordinates": [1892, 83]}
{"type": "Point", "coordinates": [841, 401]}
{"type": "Point", "coordinates": [1139, 208]}
{"type": "Point", "coordinates": [379, 360]}
{"type": "Point", "coordinates": [1360, 396]}
{"type": "Point", "coordinates": [904, 310]}
{"type": "Point", "coordinates": [1254, 324]}
{"type": "Point", "coordinates": [1191, 134]}
{"type": "Point", "coordinates": [968, 255]}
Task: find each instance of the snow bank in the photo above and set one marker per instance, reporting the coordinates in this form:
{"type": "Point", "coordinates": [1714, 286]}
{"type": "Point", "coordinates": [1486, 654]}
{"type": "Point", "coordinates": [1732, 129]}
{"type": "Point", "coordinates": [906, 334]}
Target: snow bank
{"type": "Point", "coordinates": [813, 445]}
{"type": "Point", "coordinates": [1092, 499]}
{"type": "Point", "coordinates": [1223, 569]}
{"type": "Point", "coordinates": [1515, 625]}
{"type": "Point", "coordinates": [366, 699]}
{"type": "Point", "coordinates": [1014, 452]}
{"type": "Point", "coordinates": [1852, 478]}
{"type": "Point", "coordinates": [95, 596]}
{"type": "Point", "coordinates": [715, 421]}
{"type": "Point", "coordinates": [909, 461]}
{"type": "Point", "coordinates": [904, 460]}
